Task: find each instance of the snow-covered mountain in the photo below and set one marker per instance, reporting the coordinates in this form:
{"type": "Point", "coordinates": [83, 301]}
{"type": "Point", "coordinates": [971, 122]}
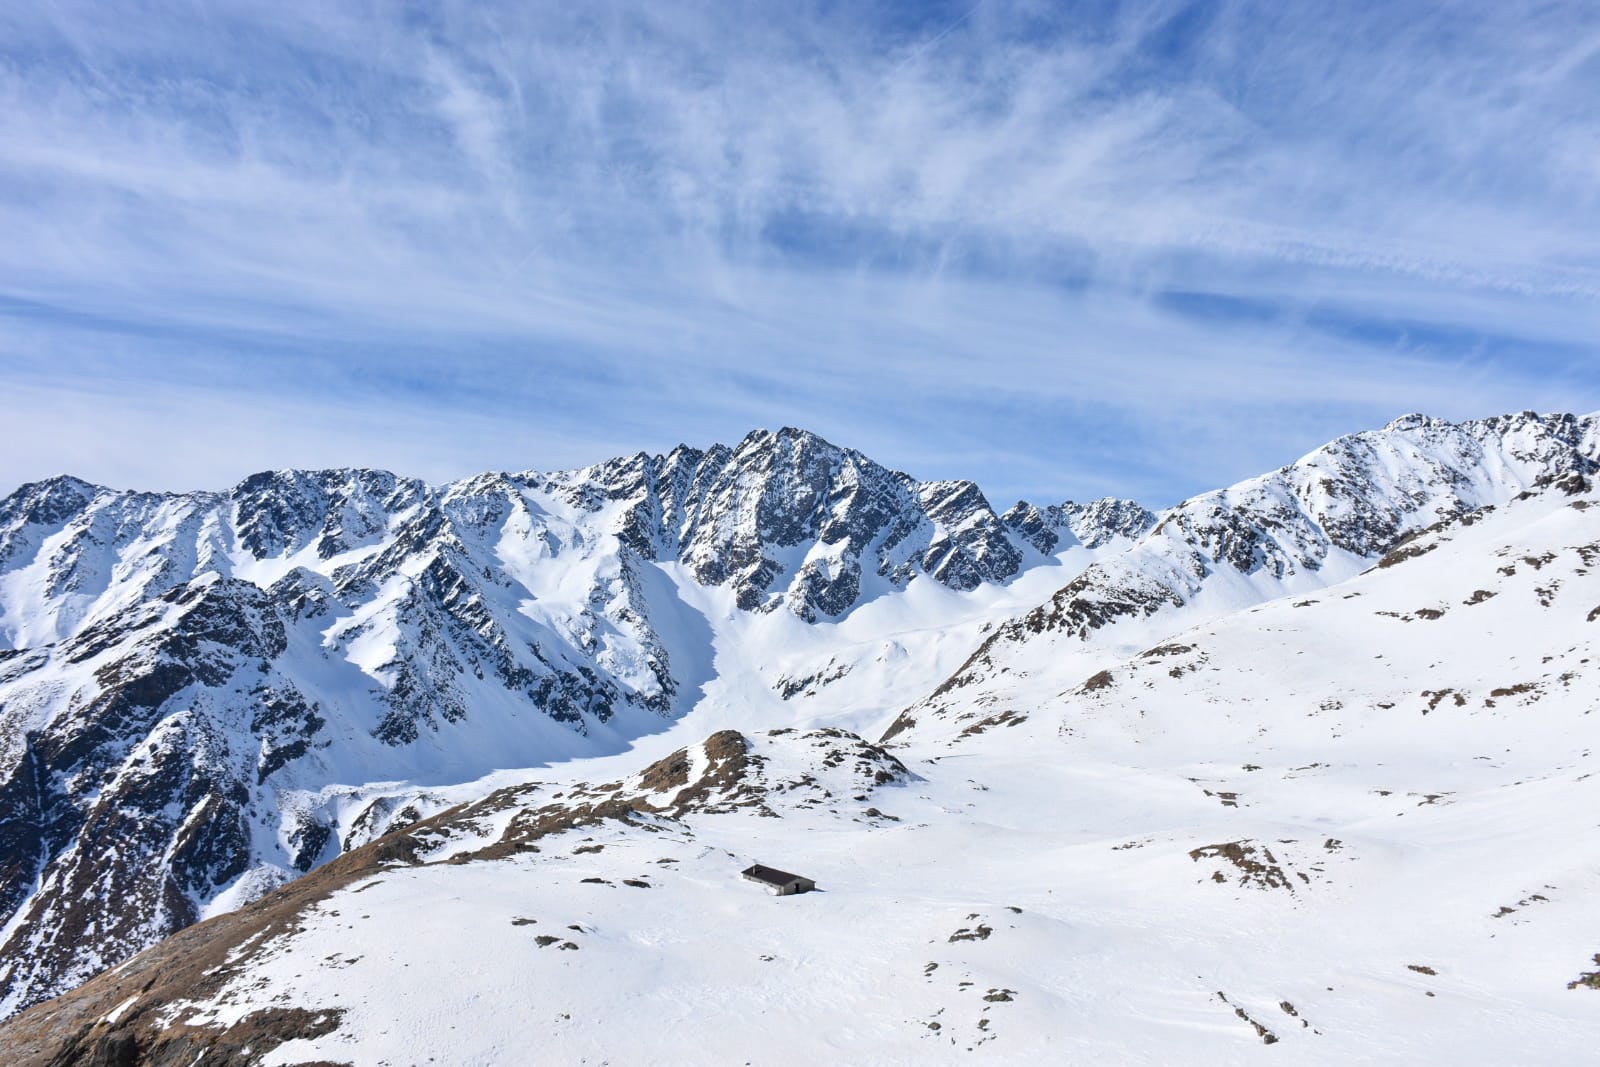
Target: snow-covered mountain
{"type": "Point", "coordinates": [186, 678]}
{"type": "Point", "coordinates": [1130, 771]}
{"type": "Point", "coordinates": [1351, 825]}
{"type": "Point", "coordinates": [1301, 528]}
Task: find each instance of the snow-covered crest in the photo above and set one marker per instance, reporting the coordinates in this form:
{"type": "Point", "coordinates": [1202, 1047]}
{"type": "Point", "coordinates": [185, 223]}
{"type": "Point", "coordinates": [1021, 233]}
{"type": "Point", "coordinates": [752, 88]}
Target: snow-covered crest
{"type": "Point", "coordinates": [1300, 528]}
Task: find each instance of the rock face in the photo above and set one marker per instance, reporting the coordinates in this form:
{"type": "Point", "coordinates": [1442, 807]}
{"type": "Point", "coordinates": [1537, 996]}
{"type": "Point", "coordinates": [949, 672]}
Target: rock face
{"type": "Point", "coordinates": [1056, 526]}
{"type": "Point", "coordinates": [788, 520]}
{"type": "Point", "coordinates": [184, 676]}
{"type": "Point", "coordinates": [129, 775]}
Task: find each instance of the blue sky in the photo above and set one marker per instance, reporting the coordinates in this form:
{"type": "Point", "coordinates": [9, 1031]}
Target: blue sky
{"type": "Point", "coordinates": [1063, 249]}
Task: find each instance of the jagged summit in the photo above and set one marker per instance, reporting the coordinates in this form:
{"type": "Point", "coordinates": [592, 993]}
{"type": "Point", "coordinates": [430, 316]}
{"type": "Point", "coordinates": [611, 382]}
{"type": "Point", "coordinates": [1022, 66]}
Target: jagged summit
{"type": "Point", "coordinates": [1092, 524]}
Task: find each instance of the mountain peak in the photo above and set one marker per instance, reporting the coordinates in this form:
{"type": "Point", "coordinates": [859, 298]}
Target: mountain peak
{"type": "Point", "coordinates": [62, 488]}
{"type": "Point", "coordinates": [1409, 421]}
{"type": "Point", "coordinates": [790, 437]}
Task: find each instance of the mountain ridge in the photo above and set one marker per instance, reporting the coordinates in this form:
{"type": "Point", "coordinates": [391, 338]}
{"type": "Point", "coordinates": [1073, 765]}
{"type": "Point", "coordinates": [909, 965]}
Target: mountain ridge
{"type": "Point", "coordinates": [1354, 824]}
{"type": "Point", "coordinates": [1339, 508]}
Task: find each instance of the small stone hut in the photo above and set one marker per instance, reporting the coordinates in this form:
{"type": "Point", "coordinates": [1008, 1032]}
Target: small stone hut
{"type": "Point", "coordinates": [779, 883]}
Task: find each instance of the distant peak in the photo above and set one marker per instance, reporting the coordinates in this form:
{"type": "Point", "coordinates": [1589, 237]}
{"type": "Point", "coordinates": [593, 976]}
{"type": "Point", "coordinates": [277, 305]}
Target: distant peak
{"type": "Point", "coordinates": [760, 437]}
{"type": "Point", "coordinates": [68, 483]}
{"type": "Point", "coordinates": [54, 494]}
{"type": "Point", "coordinates": [1410, 421]}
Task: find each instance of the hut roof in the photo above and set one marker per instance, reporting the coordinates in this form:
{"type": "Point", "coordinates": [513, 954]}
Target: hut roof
{"type": "Point", "coordinates": [772, 875]}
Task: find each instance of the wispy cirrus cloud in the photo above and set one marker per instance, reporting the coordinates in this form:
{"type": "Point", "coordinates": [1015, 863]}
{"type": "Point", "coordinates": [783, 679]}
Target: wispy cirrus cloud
{"type": "Point", "coordinates": [1061, 248]}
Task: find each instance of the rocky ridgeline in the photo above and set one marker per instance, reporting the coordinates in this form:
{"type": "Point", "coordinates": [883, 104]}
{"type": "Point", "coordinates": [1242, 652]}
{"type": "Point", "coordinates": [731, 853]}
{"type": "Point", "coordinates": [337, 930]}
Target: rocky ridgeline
{"type": "Point", "coordinates": [1359, 495]}
{"type": "Point", "coordinates": [733, 515]}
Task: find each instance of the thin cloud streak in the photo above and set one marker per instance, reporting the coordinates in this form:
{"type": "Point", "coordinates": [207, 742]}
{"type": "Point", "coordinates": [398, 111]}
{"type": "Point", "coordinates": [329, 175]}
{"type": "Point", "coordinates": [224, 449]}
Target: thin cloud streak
{"type": "Point", "coordinates": [1053, 418]}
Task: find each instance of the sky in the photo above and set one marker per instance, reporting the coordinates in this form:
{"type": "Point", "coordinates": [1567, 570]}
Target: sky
{"type": "Point", "coordinates": [1063, 249]}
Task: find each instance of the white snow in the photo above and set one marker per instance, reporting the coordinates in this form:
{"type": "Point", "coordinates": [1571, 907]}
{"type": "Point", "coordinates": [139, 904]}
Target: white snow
{"type": "Point", "coordinates": [1357, 807]}
{"type": "Point", "coordinates": [1430, 877]}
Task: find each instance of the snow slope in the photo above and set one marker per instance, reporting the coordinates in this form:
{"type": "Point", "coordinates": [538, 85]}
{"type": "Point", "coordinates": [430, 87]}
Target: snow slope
{"type": "Point", "coordinates": [1299, 529]}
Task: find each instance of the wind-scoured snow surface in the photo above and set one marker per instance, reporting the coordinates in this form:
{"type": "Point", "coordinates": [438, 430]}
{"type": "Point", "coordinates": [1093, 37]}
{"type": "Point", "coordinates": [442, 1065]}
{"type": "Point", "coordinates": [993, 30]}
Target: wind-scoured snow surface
{"type": "Point", "coordinates": [1306, 763]}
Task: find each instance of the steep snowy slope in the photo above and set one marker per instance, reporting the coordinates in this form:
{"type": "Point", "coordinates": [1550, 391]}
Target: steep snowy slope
{"type": "Point", "coordinates": [1301, 528]}
{"type": "Point", "coordinates": [203, 695]}
{"type": "Point", "coordinates": [1349, 826]}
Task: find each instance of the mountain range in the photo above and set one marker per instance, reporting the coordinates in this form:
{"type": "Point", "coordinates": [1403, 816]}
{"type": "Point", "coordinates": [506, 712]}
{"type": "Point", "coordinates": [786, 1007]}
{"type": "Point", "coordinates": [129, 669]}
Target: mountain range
{"type": "Point", "coordinates": [221, 714]}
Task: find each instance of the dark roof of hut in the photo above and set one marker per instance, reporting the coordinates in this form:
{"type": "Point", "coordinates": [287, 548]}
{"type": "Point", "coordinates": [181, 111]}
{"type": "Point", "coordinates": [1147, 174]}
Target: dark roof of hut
{"type": "Point", "coordinates": [772, 875]}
